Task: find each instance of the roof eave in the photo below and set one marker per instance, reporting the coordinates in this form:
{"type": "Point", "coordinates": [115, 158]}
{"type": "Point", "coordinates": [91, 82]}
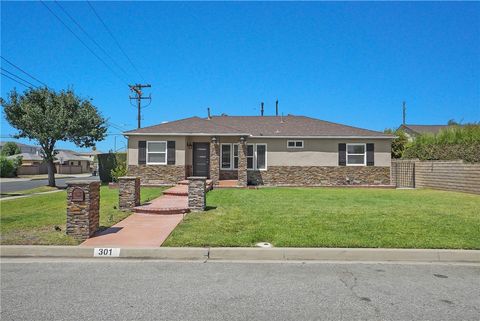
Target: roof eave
{"type": "Point", "coordinates": [185, 134]}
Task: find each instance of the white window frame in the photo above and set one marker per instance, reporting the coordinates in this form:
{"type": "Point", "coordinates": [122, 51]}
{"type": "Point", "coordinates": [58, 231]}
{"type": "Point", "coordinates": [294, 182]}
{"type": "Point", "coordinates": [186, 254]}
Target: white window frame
{"type": "Point", "coordinates": [295, 143]}
{"type": "Point", "coordinates": [255, 168]}
{"type": "Point", "coordinates": [233, 155]}
{"type": "Point", "coordinates": [166, 152]}
{"type": "Point", "coordinates": [364, 154]}
{"type": "Point", "coordinates": [252, 157]}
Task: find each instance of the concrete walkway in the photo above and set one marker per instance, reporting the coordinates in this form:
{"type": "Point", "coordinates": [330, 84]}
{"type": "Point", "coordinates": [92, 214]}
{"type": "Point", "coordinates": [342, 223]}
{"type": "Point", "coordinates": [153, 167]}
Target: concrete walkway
{"type": "Point", "coordinates": [137, 230]}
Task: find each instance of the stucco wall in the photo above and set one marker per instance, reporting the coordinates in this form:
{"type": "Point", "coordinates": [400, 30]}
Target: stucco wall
{"type": "Point", "coordinates": [132, 151]}
{"type": "Point", "coordinates": [316, 152]}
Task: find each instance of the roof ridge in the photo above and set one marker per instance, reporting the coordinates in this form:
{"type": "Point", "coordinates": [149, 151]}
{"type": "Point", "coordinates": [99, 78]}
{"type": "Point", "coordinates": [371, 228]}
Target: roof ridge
{"type": "Point", "coordinates": [330, 122]}
{"type": "Point", "coordinates": [169, 122]}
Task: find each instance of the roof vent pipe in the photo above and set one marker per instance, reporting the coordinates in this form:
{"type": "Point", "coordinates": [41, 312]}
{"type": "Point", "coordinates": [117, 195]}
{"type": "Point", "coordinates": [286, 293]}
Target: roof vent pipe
{"type": "Point", "coordinates": [261, 108]}
{"type": "Point", "coordinates": [276, 108]}
{"type": "Point", "coordinates": [208, 112]}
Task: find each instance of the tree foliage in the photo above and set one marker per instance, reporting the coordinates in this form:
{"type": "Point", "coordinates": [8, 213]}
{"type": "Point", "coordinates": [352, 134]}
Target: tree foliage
{"type": "Point", "coordinates": [399, 143]}
{"type": "Point", "coordinates": [10, 148]}
{"type": "Point", "coordinates": [455, 142]}
{"type": "Point", "coordinates": [48, 117]}
{"type": "Point", "coordinates": [8, 166]}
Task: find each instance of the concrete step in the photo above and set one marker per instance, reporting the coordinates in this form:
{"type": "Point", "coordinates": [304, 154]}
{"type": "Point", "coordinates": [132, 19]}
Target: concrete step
{"type": "Point", "coordinates": [178, 190]}
{"type": "Point", "coordinates": [184, 182]}
{"type": "Point", "coordinates": [161, 211]}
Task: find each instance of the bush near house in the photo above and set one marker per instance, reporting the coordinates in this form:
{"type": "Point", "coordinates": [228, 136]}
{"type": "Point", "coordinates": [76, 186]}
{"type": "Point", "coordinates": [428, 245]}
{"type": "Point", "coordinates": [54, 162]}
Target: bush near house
{"type": "Point", "coordinates": [10, 148]}
{"type": "Point", "coordinates": [456, 142]}
{"type": "Point", "coordinates": [108, 162]}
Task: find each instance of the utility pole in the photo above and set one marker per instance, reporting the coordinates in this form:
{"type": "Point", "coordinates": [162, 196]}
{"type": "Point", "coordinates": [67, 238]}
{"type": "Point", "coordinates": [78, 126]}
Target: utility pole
{"type": "Point", "coordinates": [137, 88]}
{"type": "Point", "coordinates": [404, 112]}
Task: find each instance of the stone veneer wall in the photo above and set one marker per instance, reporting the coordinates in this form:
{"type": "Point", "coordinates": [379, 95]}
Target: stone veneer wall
{"type": "Point", "coordinates": [158, 174]}
{"type": "Point", "coordinates": [320, 176]}
{"type": "Point", "coordinates": [128, 192]}
{"type": "Point", "coordinates": [228, 174]}
{"type": "Point", "coordinates": [197, 193]}
{"type": "Point", "coordinates": [214, 162]}
{"type": "Point", "coordinates": [83, 215]}
{"type": "Point", "coordinates": [242, 164]}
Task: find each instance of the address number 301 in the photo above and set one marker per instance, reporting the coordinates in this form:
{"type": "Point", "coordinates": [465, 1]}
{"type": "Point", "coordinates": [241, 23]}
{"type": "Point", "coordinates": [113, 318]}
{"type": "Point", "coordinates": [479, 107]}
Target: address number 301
{"type": "Point", "coordinates": [106, 252]}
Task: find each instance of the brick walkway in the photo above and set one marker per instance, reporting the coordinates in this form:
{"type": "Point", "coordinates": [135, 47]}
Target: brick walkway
{"type": "Point", "coordinates": [151, 223]}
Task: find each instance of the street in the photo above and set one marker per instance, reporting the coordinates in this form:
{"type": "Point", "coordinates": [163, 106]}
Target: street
{"type": "Point", "coordinates": [21, 184]}
{"type": "Point", "coordinates": [49, 289]}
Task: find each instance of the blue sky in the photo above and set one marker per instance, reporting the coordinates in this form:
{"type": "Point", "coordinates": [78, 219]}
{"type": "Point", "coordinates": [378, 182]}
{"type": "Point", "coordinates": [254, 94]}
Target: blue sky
{"type": "Point", "coordinates": [352, 63]}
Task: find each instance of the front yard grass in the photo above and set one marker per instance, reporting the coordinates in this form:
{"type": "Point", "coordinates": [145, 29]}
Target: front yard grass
{"type": "Point", "coordinates": [334, 217]}
{"type": "Point", "coordinates": [32, 220]}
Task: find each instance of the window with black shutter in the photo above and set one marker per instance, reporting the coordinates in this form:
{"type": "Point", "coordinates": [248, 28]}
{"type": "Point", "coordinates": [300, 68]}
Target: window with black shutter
{"type": "Point", "coordinates": [171, 152]}
{"type": "Point", "coordinates": [142, 152]}
{"type": "Point", "coordinates": [342, 154]}
{"type": "Point", "coordinates": [370, 154]}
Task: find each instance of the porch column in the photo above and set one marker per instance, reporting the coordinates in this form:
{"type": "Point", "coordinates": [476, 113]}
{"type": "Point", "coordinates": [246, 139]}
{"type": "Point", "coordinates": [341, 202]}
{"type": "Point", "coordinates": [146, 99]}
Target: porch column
{"type": "Point", "coordinates": [214, 160]}
{"type": "Point", "coordinates": [242, 162]}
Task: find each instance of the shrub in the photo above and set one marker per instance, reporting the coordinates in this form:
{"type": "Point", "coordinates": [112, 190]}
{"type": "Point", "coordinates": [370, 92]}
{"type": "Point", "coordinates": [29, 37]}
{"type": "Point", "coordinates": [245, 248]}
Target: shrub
{"type": "Point", "coordinates": [456, 142]}
{"type": "Point", "coordinates": [108, 162]}
{"type": "Point", "coordinates": [6, 167]}
{"type": "Point", "coordinates": [119, 171]}
{"type": "Point", "coordinates": [399, 143]}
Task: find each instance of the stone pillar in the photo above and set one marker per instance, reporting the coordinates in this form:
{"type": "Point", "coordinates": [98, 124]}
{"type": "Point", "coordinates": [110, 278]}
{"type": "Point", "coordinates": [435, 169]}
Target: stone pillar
{"type": "Point", "coordinates": [128, 192]}
{"type": "Point", "coordinates": [83, 208]}
{"type": "Point", "coordinates": [242, 163]}
{"type": "Point", "coordinates": [214, 160]}
{"type": "Point", "coordinates": [196, 193]}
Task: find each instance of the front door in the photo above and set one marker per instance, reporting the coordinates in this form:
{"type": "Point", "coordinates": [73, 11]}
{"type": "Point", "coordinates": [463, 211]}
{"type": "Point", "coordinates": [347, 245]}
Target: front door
{"type": "Point", "coordinates": [201, 159]}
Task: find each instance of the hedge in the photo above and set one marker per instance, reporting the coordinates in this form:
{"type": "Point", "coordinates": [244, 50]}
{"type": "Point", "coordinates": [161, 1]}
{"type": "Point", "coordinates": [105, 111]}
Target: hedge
{"type": "Point", "coordinates": [107, 162]}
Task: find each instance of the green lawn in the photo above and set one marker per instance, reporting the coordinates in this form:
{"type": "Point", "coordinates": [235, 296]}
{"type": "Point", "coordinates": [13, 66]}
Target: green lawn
{"type": "Point", "coordinates": [334, 217]}
{"type": "Point", "coordinates": [32, 220]}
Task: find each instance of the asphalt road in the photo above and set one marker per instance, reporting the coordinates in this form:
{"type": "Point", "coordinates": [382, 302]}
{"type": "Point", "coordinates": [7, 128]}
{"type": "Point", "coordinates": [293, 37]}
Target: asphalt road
{"type": "Point", "coordinates": [21, 185]}
{"type": "Point", "coordinates": [156, 290]}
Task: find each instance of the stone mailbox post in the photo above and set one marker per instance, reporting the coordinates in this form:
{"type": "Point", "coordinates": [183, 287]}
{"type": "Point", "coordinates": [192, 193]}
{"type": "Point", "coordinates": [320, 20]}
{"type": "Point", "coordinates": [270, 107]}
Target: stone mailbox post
{"type": "Point", "coordinates": [83, 208]}
{"type": "Point", "coordinates": [196, 193]}
{"type": "Point", "coordinates": [128, 192]}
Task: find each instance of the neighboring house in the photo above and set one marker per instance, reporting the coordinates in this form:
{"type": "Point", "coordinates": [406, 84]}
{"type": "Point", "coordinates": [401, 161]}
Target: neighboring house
{"type": "Point", "coordinates": [259, 150]}
{"type": "Point", "coordinates": [91, 155]}
{"type": "Point", "coordinates": [32, 164]}
{"type": "Point", "coordinates": [413, 131]}
{"type": "Point", "coordinates": [68, 162]}
{"type": "Point", "coordinates": [25, 148]}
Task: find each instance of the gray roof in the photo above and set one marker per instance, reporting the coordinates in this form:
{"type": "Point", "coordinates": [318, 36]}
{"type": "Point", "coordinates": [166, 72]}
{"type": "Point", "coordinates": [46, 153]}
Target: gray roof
{"type": "Point", "coordinates": [68, 155]}
{"type": "Point", "coordinates": [423, 129]}
{"type": "Point", "coordinates": [257, 126]}
{"type": "Point", "coordinates": [27, 157]}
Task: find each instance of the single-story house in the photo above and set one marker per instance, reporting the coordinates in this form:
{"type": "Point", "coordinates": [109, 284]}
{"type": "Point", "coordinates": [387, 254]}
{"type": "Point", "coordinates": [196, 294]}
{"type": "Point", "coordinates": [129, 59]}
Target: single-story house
{"type": "Point", "coordinates": [32, 164]}
{"type": "Point", "coordinates": [68, 162]}
{"type": "Point", "coordinates": [259, 150]}
{"type": "Point", "coordinates": [413, 131]}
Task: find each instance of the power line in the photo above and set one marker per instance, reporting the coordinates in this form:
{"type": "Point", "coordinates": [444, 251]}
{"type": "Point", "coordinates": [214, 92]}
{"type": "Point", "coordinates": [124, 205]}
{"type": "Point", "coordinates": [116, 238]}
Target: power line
{"type": "Point", "coordinates": [114, 39]}
{"type": "Point", "coordinates": [18, 77]}
{"type": "Point", "coordinates": [91, 38]}
{"type": "Point", "coordinates": [7, 76]}
{"type": "Point", "coordinates": [26, 73]}
{"type": "Point", "coordinates": [83, 43]}
{"type": "Point", "coordinates": [137, 88]}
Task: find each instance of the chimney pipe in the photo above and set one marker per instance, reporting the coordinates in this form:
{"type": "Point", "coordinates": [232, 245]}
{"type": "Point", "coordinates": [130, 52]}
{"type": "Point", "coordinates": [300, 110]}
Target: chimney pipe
{"type": "Point", "coordinates": [208, 111]}
{"type": "Point", "coordinates": [261, 108]}
{"type": "Point", "coordinates": [404, 112]}
{"type": "Point", "coordinates": [276, 108]}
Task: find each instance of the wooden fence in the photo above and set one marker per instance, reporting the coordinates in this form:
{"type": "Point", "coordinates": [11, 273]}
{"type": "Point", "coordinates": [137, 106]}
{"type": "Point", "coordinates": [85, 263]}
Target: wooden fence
{"type": "Point", "coordinates": [445, 175]}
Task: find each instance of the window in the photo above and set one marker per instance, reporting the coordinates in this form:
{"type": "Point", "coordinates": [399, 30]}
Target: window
{"type": "Point", "coordinates": [226, 156]}
{"type": "Point", "coordinates": [261, 154]}
{"type": "Point", "coordinates": [235, 156]}
{"type": "Point", "coordinates": [356, 154]}
{"type": "Point", "coordinates": [250, 155]}
{"type": "Point", "coordinates": [294, 143]}
{"type": "Point", "coordinates": [157, 153]}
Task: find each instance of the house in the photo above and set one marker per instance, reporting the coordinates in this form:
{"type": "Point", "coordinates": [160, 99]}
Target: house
{"type": "Point", "coordinates": [413, 131]}
{"type": "Point", "coordinates": [66, 162]}
{"type": "Point", "coordinates": [259, 150]}
{"type": "Point", "coordinates": [32, 164]}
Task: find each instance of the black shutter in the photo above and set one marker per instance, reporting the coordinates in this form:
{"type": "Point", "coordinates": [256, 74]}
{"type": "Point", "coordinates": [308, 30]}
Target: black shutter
{"type": "Point", "coordinates": [142, 152]}
{"type": "Point", "coordinates": [342, 154]}
{"type": "Point", "coordinates": [171, 152]}
{"type": "Point", "coordinates": [370, 154]}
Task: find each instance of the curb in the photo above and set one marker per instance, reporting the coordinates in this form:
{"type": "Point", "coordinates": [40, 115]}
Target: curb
{"type": "Point", "coordinates": [246, 254]}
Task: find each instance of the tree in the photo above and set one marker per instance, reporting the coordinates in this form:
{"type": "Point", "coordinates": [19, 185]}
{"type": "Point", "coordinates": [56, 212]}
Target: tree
{"type": "Point", "coordinates": [10, 148]}
{"type": "Point", "coordinates": [49, 117]}
{"type": "Point", "coordinates": [398, 144]}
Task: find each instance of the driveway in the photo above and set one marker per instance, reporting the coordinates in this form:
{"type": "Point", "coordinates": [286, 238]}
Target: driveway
{"type": "Point", "coordinates": [102, 289]}
{"type": "Point", "coordinates": [21, 184]}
